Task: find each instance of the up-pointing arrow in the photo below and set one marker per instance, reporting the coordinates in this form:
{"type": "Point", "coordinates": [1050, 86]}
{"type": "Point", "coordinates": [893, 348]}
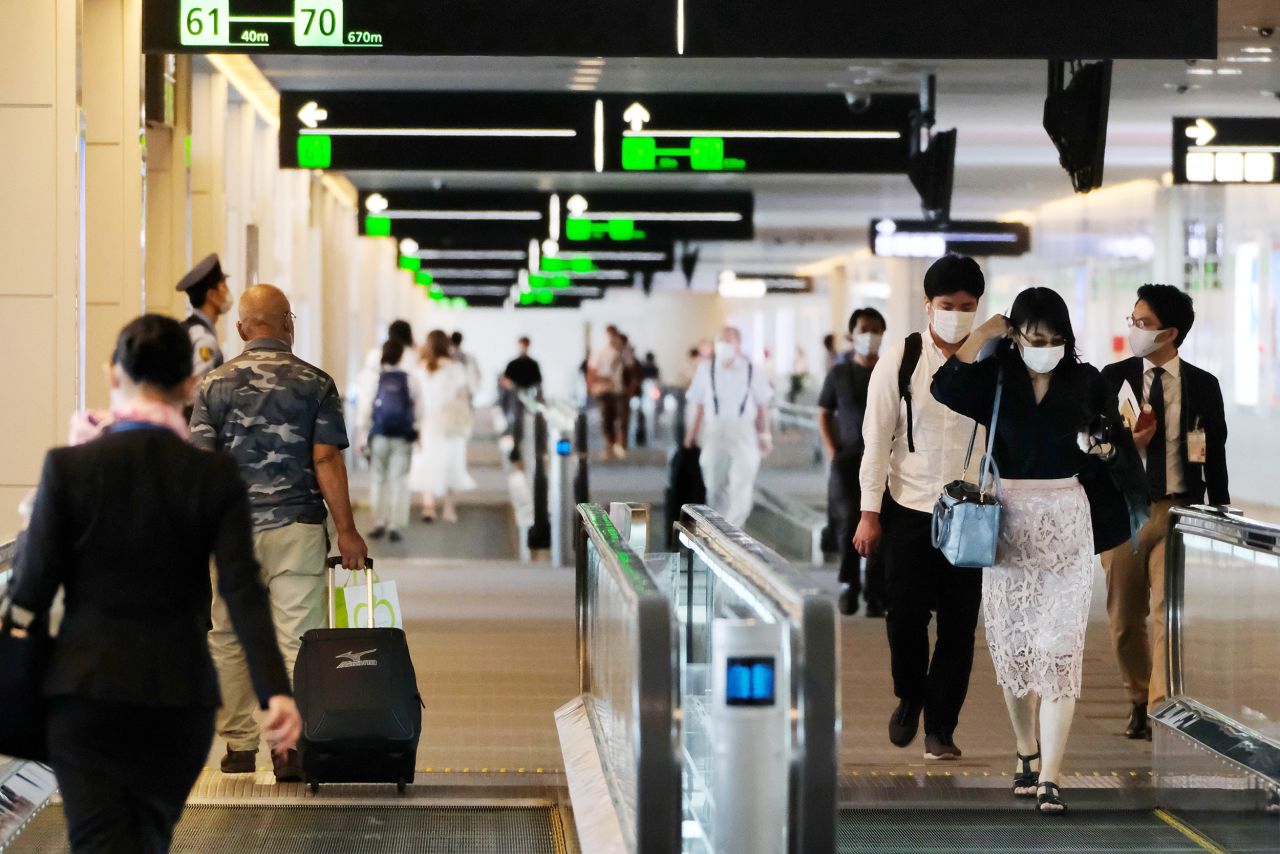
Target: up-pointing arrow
{"type": "Point", "coordinates": [576, 205]}
{"type": "Point", "coordinates": [1202, 132]}
{"type": "Point", "coordinates": [312, 114]}
{"type": "Point", "coordinates": [636, 115]}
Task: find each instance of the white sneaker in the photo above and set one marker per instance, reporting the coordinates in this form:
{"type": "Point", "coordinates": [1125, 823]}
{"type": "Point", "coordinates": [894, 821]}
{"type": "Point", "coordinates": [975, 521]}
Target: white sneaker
{"type": "Point", "coordinates": [619, 452]}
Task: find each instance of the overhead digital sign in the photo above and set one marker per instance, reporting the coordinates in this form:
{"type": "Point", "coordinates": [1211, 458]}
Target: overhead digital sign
{"type": "Point", "coordinates": [461, 219]}
{"type": "Point", "coordinates": [904, 238]}
{"type": "Point", "coordinates": [1226, 150]}
{"type": "Point", "coordinates": [920, 29]}
{"type": "Point", "coordinates": [589, 132]}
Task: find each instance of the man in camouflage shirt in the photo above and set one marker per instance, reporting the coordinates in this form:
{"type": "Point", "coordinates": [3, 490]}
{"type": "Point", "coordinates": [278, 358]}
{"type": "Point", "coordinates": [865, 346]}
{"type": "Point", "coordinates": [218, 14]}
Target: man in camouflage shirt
{"type": "Point", "coordinates": [281, 419]}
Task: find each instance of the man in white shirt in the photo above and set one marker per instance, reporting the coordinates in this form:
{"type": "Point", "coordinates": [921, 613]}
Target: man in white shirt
{"type": "Point", "coordinates": [729, 400]}
{"type": "Point", "coordinates": [915, 446]}
{"type": "Point", "coordinates": [605, 383]}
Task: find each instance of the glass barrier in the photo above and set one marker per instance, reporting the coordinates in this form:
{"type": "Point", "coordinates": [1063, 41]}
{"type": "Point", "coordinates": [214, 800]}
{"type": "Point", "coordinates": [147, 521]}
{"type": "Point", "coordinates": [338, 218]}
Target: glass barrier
{"type": "Point", "coordinates": [754, 634]}
{"type": "Point", "coordinates": [628, 676]}
{"type": "Point", "coordinates": [1223, 647]}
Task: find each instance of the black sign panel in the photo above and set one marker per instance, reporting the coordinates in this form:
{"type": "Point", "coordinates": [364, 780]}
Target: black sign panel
{"type": "Point", "coordinates": [621, 220]}
{"type": "Point", "coordinates": [904, 238]}
{"type": "Point", "coordinates": [586, 132]}
{"type": "Point", "coordinates": [925, 29]}
{"type": "Point", "coordinates": [1222, 150]}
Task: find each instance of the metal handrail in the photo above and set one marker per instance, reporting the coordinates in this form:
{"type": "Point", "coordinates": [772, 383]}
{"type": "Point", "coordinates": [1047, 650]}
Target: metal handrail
{"type": "Point", "coordinates": [811, 619]}
{"type": "Point", "coordinates": [7, 553]}
{"type": "Point", "coordinates": [797, 414]}
{"type": "Point", "coordinates": [656, 824]}
{"type": "Point", "coordinates": [1235, 741]}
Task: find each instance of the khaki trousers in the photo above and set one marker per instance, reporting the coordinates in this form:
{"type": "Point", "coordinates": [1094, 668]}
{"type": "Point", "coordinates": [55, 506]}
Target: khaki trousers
{"type": "Point", "coordinates": [1135, 590]}
{"type": "Point", "coordinates": [292, 562]}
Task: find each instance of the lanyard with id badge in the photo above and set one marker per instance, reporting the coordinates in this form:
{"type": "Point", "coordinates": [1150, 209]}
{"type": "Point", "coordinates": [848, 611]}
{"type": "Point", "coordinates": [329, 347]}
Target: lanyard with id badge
{"type": "Point", "coordinates": [1197, 445]}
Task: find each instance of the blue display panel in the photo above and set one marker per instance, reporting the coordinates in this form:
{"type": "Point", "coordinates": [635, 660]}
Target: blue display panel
{"type": "Point", "coordinates": [750, 681]}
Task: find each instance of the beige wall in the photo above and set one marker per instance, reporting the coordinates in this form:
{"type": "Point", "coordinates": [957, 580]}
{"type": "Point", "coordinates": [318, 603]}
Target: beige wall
{"type": "Point", "coordinates": [111, 97]}
{"type": "Point", "coordinates": [39, 239]}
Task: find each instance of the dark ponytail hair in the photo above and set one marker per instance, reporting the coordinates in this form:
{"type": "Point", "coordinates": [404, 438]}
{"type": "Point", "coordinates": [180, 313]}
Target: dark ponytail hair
{"type": "Point", "coordinates": [154, 350]}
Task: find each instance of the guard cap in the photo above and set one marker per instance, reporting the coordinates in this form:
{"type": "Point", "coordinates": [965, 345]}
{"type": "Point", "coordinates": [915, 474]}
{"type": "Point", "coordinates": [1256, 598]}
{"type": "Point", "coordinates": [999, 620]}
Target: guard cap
{"type": "Point", "coordinates": [207, 274]}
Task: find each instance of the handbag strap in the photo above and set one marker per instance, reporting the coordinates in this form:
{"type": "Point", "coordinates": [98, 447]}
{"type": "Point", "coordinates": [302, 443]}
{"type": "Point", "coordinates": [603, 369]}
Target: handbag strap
{"type": "Point", "coordinates": [988, 459]}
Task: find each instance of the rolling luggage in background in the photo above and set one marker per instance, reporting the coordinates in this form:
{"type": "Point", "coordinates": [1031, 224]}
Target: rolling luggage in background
{"type": "Point", "coordinates": [358, 695]}
{"type": "Point", "coordinates": [684, 485]}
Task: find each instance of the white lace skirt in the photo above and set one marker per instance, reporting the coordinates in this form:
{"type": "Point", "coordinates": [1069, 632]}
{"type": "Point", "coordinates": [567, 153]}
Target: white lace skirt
{"type": "Point", "coordinates": [1036, 598]}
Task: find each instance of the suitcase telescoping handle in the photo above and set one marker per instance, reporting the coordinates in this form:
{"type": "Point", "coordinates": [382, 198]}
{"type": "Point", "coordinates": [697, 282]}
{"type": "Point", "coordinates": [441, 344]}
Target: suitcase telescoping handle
{"type": "Point", "coordinates": [333, 564]}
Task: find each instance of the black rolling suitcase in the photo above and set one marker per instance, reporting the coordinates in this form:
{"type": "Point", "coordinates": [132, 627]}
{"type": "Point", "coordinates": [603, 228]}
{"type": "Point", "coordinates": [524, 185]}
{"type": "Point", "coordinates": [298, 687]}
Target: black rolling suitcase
{"type": "Point", "coordinates": [358, 695]}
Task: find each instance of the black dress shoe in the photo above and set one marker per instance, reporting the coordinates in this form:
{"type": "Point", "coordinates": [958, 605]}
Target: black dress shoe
{"type": "Point", "coordinates": [394, 536]}
{"type": "Point", "coordinates": [905, 723]}
{"type": "Point", "coordinates": [941, 747]}
{"type": "Point", "coordinates": [848, 601]}
{"type": "Point", "coordinates": [239, 761]}
{"type": "Point", "coordinates": [377, 533]}
{"type": "Point", "coordinates": [1139, 726]}
{"type": "Point", "coordinates": [288, 767]}
{"type": "Point", "coordinates": [875, 610]}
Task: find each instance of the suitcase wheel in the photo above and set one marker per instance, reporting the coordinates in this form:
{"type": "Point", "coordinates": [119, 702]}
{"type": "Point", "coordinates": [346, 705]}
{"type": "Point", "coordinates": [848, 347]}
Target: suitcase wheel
{"type": "Point", "coordinates": [400, 786]}
{"type": "Point", "coordinates": [314, 786]}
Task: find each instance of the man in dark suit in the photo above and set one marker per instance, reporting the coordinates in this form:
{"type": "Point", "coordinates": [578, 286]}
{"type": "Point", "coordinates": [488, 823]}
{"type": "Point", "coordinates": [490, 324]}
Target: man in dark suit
{"type": "Point", "coordinates": [1184, 451]}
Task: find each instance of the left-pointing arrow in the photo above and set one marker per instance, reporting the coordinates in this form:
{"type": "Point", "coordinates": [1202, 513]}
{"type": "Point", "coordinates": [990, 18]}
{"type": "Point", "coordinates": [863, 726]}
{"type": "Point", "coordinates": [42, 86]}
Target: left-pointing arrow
{"type": "Point", "coordinates": [312, 114]}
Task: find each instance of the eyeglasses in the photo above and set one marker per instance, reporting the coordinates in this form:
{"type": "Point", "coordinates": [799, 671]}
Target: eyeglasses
{"type": "Point", "coordinates": [1142, 323]}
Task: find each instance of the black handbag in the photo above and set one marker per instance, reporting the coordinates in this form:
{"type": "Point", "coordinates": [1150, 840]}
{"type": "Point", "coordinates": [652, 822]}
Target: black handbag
{"type": "Point", "coordinates": [25, 649]}
{"type": "Point", "coordinates": [1116, 487]}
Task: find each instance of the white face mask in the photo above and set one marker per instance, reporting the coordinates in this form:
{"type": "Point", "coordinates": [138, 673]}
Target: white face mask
{"type": "Point", "coordinates": [1143, 341]}
{"type": "Point", "coordinates": [867, 343]}
{"type": "Point", "coordinates": [725, 350]}
{"type": "Point", "coordinates": [1042, 360]}
{"type": "Point", "coordinates": [952, 326]}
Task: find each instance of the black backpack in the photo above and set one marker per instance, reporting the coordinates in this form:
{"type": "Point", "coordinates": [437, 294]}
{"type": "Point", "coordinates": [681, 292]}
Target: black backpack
{"type": "Point", "coordinates": [911, 353]}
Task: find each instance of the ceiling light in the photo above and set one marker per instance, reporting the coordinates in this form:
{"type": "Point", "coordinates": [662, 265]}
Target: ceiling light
{"type": "Point", "coordinates": [1255, 50]}
{"type": "Point", "coordinates": [1200, 71]}
{"type": "Point", "coordinates": [1230, 71]}
{"type": "Point", "coordinates": [1248, 59]}
{"type": "Point", "coordinates": [579, 87]}
{"type": "Point", "coordinates": [599, 61]}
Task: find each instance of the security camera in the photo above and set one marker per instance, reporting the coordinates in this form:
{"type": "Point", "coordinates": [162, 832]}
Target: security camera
{"type": "Point", "coordinates": [857, 102]}
{"type": "Point", "coordinates": [1266, 32]}
{"type": "Point", "coordinates": [1182, 88]}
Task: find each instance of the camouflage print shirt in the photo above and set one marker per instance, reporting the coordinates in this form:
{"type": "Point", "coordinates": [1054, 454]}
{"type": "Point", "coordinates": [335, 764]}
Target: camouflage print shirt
{"type": "Point", "coordinates": [269, 409]}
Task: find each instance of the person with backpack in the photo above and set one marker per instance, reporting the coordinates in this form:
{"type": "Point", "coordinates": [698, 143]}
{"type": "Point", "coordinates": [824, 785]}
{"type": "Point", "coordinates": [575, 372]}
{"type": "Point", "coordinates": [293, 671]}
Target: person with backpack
{"type": "Point", "coordinates": [730, 421]}
{"type": "Point", "coordinates": [387, 424]}
{"type": "Point", "coordinates": [913, 446]}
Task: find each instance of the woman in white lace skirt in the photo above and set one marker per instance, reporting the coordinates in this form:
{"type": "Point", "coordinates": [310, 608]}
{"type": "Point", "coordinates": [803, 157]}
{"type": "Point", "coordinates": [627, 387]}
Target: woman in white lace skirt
{"type": "Point", "coordinates": [1036, 598]}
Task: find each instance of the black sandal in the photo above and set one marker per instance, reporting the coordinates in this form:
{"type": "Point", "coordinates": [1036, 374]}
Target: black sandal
{"type": "Point", "coordinates": [1050, 797]}
{"type": "Point", "coordinates": [1026, 780]}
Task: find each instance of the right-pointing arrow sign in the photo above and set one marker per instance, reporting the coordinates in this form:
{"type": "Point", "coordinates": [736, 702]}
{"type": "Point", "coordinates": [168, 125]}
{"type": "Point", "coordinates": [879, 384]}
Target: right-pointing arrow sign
{"type": "Point", "coordinates": [1202, 132]}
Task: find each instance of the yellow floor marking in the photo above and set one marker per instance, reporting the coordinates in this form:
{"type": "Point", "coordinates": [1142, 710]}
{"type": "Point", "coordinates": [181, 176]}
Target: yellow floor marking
{"type": "Point", "coordinates": [1191, 833]}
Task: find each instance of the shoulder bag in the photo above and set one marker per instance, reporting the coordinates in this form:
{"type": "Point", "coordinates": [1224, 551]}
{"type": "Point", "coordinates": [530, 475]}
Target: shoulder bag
{"type": "Point", "coordinates": [25, 649]}
{"type": "Point", "coordinates": [966, 516]}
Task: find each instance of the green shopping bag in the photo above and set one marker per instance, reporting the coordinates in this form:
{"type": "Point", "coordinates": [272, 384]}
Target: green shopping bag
{"type": "Point", "coordinates": [351, 606]}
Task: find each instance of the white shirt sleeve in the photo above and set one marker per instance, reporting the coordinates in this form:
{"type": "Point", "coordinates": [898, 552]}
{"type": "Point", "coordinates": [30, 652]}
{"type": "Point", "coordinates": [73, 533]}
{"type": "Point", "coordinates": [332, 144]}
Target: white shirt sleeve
{"type": "Point", "coordinates": [700, 389]}
{"type": "Point", "coordinates": [879, 425]}
{"type": "Point", "coordinates": [761, 388]}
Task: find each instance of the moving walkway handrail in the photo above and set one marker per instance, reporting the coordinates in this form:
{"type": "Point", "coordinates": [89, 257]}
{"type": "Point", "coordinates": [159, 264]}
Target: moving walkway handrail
{"type": "Point", "coordinates": [797, 414]}
{"type": "Point", "coordinates": [1188, 711]}
{"type": "Point", "coordinates": [815, 666]}
{"type": "Point", "coordinates": [641, 727]}
{"type": "Point", "coordinates": [7, 552]}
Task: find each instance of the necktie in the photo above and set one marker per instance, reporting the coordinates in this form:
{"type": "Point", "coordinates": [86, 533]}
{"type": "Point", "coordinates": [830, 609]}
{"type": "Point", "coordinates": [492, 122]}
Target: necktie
{"type": "Point", "coordinates": [1156, 464]}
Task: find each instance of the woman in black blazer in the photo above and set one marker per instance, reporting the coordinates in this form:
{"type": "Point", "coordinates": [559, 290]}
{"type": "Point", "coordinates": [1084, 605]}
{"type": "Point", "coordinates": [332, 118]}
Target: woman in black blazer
{"type": "Point", "coordinates": [125, 524]}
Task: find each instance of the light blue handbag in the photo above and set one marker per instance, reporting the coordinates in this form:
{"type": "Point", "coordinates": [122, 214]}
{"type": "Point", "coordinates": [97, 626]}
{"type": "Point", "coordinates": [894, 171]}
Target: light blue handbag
{"type": "Point", "coordinates": [966, 516]}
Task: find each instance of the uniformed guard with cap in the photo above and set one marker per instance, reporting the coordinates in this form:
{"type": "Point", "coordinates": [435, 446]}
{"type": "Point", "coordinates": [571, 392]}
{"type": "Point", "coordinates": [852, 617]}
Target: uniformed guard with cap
{"type": "Point", "coordinates": [206, 287]}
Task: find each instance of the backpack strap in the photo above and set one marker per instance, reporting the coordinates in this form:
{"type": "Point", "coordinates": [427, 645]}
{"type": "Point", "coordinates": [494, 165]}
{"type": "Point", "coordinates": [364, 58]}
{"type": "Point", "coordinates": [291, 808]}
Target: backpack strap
{"type": "Point", "coordinates": [715, 395]}
{"type": "Point", "coordinates": [751, 370]}
{"type": "Point", "coordinates": [911, 353]}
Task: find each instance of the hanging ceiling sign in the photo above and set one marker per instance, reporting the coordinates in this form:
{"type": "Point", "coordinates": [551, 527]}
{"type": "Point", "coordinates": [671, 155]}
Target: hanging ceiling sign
{"type": "Point", "coordinates": [902, 238]}
{"type": "Point", "coordinates": [498, 222]}
{"type": "Point", "coordinates": [586, 132]}
{"type": "Point", "coordinates": [921, 29]}
{"type": "Point", "coordinates": [1226, 150]}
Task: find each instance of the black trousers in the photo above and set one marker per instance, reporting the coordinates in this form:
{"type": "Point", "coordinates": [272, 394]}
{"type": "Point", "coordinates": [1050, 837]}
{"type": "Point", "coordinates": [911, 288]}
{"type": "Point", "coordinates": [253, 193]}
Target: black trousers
{"type": "Point", "coordinates": [125, 771]}
{"type": "Point", "coordinates": [844, 509]}
{"type": "Point", "coordinates": [921, 582]}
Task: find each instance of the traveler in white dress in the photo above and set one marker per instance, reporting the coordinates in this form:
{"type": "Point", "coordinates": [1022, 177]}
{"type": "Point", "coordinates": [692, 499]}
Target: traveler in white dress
{"type": "Point", "coordinates": [440, 465]}
{"type": "Point", "coordinates": [1052, 410]}
{"type": "Point", "coordinates": [729, 401]}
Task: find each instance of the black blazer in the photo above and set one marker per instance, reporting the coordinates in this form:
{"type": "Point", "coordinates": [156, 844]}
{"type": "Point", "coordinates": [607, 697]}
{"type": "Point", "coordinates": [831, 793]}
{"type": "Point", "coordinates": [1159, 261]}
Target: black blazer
{"type": "Point", "coordinates": [1201, 401]}
{"type": "Point", "coordinates": [126, 524]}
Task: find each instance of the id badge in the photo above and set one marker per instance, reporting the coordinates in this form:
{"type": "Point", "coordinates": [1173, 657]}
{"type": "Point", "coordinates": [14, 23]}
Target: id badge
{"type": "Point", "coordinates": [1196, 447]}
